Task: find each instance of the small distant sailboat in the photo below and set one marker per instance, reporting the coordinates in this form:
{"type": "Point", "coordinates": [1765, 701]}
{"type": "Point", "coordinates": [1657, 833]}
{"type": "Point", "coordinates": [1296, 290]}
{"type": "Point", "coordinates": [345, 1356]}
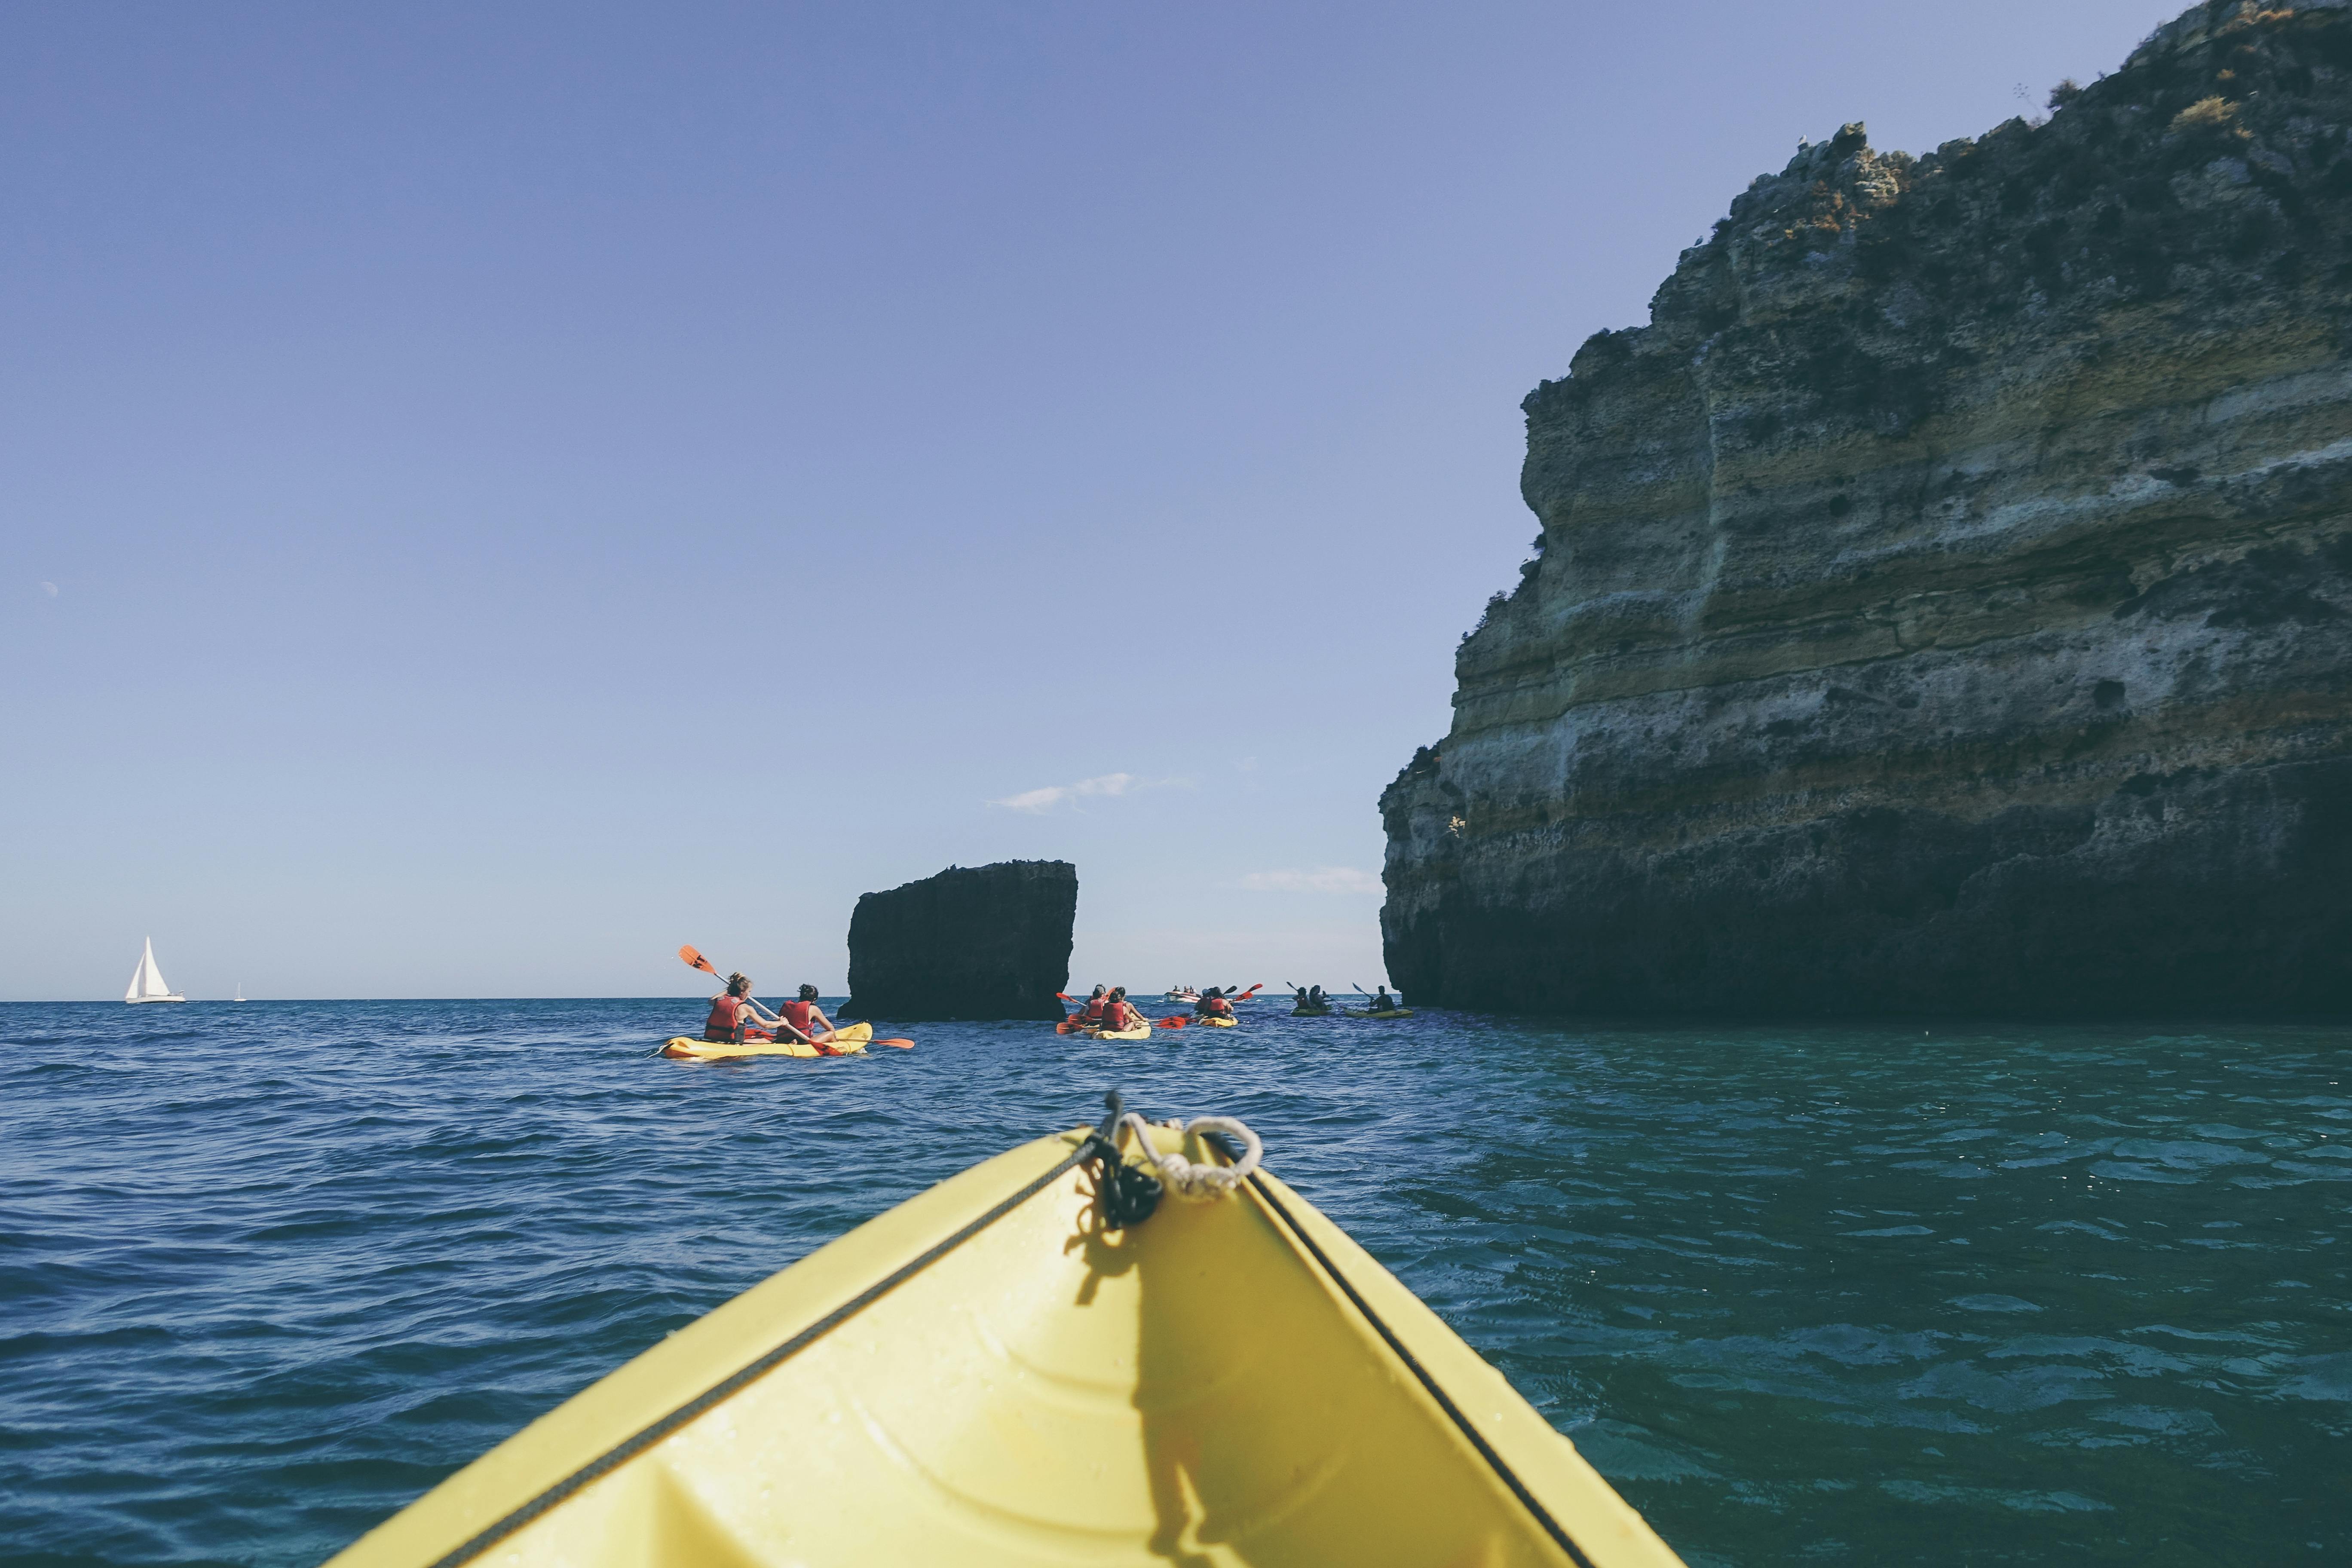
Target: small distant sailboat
{"type": "Point", "coordinates": [147, 983]}
{"type": "Point", "coordinates": [240, 992]}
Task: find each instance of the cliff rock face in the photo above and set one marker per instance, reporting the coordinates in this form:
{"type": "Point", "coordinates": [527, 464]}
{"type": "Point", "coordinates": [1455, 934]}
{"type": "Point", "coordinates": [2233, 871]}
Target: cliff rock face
{"type": "Point", "coordinates": [1946, 602]}
{"type": "Point", "coordinates": [987, 942]}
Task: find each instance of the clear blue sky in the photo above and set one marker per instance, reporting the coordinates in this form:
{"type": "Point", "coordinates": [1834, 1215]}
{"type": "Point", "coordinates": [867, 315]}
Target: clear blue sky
{"type": "Point", "coordinates": [489, 493]}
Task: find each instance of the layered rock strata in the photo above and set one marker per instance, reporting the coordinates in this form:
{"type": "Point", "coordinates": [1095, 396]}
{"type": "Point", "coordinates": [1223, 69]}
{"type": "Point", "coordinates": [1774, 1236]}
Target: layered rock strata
{"type": "Point", "coordinates": [983, 941]}
{"type": "Point", "coordinates": [1945, 603]}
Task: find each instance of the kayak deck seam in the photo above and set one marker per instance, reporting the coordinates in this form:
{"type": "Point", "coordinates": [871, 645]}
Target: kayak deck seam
{"type": "Point", "coordinates": [630, 1448]}
{"type": "Point", "coordinates": [1495, 1461]}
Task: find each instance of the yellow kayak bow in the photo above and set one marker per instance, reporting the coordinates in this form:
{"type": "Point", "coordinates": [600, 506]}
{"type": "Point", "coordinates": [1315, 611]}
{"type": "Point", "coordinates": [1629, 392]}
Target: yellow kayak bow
{"type": "Point", "coordinates": [1010, 1370]}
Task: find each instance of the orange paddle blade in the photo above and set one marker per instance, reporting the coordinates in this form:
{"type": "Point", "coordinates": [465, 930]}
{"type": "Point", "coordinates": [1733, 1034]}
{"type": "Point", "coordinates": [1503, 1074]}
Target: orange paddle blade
{"type": "Point", "coordinates": [902, 1045]}
{"type": "Point", "coordinates": [1178, 1022]}
{"type": "Point", "coordinates": [696, 961]}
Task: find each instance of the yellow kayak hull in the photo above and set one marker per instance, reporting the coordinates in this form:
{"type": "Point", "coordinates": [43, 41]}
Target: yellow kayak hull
{"type": "Point", "coordinates": [1211, 1022]}
{"type": "Point", "coordinates": [849, 1040]}
{"type": "Point", "coordinates": [984, 1375]}
{"type": "Point", "coordinates": [1140, 1032]}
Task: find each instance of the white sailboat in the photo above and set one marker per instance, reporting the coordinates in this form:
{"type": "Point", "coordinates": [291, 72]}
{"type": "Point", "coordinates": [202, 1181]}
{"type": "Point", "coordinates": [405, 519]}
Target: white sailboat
{"type": "Point", "coordinates": [240, 992]}
{"type": "Point", "coordinates": [147, 981]}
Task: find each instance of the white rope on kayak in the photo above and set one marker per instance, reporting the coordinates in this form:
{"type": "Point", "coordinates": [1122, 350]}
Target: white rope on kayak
{"type": "Point", "coordinates": [1186, 1179]}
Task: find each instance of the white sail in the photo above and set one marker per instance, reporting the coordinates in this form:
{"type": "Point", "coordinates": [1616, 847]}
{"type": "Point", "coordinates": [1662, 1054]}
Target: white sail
{"type": "Point", "coordinates": [147, 981]}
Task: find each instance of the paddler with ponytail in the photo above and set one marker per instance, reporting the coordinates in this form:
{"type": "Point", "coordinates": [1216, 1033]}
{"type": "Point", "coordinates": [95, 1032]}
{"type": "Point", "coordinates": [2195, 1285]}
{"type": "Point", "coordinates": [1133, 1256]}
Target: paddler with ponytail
{"type": "Point", "coordinates": [1091, 1016]}
{"type": "Point", "coordinates": [732, 1013]}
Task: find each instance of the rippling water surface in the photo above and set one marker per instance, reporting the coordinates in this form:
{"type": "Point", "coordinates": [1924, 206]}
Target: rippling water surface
{"type": "Point", "coordinates": [1854, 1295]}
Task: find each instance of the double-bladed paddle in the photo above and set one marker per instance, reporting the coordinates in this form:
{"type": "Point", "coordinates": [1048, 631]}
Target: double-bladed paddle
{"type": "Point", "coordinates": [695, 960]}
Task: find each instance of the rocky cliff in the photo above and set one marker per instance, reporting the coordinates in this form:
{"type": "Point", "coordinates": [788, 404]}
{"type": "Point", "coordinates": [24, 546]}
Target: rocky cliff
{"type": "Point", "coordinates": [1945, 602]}
{"type": "Point", "coordinates": [980, 941]}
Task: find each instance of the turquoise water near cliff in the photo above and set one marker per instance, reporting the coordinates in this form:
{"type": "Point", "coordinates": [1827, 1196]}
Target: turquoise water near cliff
{"type": "Point", "coordinates": [2073, 1295]}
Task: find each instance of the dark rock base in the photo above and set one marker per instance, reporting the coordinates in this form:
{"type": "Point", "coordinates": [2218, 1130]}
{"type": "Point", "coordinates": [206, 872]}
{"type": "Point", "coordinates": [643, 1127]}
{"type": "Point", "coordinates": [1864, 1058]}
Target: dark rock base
{"type": "Point", "coordinates": [2203, 892]}
{"type": "Point", "coordinates": [987, 942]}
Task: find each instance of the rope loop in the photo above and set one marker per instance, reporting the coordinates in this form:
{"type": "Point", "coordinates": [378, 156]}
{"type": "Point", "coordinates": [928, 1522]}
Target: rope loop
{"type": "Point", "coordinates": [1182, 1176]}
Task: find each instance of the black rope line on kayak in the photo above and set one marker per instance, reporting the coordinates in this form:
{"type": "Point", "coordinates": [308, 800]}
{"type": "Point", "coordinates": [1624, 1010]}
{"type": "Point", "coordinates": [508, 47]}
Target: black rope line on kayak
{"type": "Point", "coordinates": [1125, 1194]}
{"type": "Point", "coordinates": [1093, 1148]}
{"type": "Point", "coordinates": [1445, 1402]}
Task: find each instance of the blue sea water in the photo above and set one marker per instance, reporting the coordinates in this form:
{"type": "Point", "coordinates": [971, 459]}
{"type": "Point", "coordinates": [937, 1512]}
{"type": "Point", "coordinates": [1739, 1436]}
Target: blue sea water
{"type": "Point", "coordinates": [1854, 1295]}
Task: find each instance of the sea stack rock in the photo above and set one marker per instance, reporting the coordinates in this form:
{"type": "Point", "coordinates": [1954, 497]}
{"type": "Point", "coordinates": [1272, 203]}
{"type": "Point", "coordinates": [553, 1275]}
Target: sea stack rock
{"type": "Point", "coordinates": [1945, 603]}
{"type": "Point", "coordinates": [987, 942]}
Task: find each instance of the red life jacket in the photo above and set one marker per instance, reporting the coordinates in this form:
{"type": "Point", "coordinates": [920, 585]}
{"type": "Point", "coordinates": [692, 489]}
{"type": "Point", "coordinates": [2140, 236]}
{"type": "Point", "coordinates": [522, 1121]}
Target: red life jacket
{"type": "Point", "coordinates": [796, 1014]}
{"type": "Point", "coordinates": [1093, 1011]}
{"type": "Point", "coordinates": [725, 1016]}
{"type": "Point", "coordinates": [1119, 1016]}
{"type": "Point", "coordinates": [1215, 1007]}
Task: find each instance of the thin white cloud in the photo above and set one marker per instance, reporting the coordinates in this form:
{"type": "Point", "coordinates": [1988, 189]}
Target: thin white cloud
{"type": "Point", "coordinates": [1321, 880]}
{"type": "Point", "coordinates": [50, 589]}
{"type": "Point", "coordinates": [1052, 796]}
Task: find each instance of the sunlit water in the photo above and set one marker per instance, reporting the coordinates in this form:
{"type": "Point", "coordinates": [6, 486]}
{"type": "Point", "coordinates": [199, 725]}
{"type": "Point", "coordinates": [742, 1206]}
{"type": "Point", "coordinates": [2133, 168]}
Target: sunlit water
{"type": "Point", "coordinates": [1855, 1295]}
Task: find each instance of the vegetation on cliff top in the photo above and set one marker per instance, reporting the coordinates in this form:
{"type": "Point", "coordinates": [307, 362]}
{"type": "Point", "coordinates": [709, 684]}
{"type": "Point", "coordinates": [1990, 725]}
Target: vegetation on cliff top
{"type": "Point", "coordinates": [2214, 155]}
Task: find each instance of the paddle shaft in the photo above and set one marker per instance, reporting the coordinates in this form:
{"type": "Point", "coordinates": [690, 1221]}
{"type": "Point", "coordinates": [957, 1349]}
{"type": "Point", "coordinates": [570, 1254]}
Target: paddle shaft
{"type": "Point", "coordinates": [698, 962]}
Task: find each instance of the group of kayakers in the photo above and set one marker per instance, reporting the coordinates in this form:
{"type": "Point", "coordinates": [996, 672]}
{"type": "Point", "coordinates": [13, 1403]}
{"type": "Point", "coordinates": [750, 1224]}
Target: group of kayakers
{"type": "Point", "coordinates": [737, 1016]}
{"type": "Point", "coordinates": [1315, 999]}
{"type": "Point", "coordinates": [1108, 1009]}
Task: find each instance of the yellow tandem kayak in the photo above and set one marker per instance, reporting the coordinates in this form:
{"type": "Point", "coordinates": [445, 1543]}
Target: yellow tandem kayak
{"type": "Point", "coordinates": [1007, 1370]}
{"type": "Point", "coordinates": [1211, 1021]}
{"type": "Point", "coordinates": [849, 1040]}
{"type": "Point", "coordinates": [1134, 1032]}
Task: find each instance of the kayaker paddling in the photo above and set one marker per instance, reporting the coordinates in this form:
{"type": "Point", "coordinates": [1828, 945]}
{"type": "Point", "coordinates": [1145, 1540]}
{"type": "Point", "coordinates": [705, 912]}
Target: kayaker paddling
{"type": "Point", "coordinates": [1091, 1014]}
{"type": "Point", "coordinates": [728, 1033]}
{"type": "Point", "coordinates": [733, 1012]}
{"type": "Point", "coordinates": [1213, 1004]}
{"type": "Point", "coordinates": [1115, 1014]}
{"type": "Point", "coordinates": [1384, 1003]}
{"type": "Point", "coordinates": [734, 1017]}
{"type": "Point", "coordinates": [804, 1016]}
